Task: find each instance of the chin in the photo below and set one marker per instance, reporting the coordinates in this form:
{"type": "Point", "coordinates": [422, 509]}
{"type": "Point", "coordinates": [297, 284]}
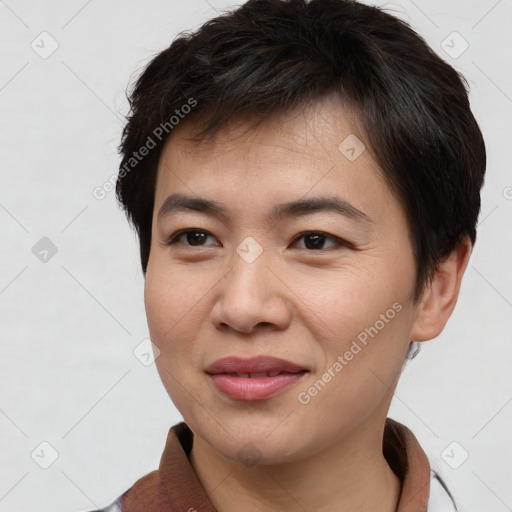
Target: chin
{"type": "Point", "coordinates": [251, 440]}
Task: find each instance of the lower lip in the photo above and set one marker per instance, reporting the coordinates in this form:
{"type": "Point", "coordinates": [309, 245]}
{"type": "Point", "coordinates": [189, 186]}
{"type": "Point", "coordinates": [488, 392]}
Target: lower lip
{"type": "Point", "coordinates": [249, 389]}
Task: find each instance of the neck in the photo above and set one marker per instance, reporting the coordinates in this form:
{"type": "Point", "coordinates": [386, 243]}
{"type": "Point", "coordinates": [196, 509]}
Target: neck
{"type": "Point", "coordinates": [352, 475]}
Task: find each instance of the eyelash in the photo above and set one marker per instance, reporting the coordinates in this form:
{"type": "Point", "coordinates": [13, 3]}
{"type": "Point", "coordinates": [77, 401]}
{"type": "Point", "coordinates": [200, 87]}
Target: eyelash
{"type": "Point", "coordinates": [174, 239]}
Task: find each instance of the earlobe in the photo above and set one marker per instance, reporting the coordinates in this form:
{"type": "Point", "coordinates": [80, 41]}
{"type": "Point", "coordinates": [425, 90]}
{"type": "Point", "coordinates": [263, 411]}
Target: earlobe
{"type": "Point", "coordinates": [439, 299]}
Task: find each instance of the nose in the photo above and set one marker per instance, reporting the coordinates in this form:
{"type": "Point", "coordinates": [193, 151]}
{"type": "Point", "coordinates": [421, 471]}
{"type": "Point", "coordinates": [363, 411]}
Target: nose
{"type": "Point", "coordinates": [252, 296]}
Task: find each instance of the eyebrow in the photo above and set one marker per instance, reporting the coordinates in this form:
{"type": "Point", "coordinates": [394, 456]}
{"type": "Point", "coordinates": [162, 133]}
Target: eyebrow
{"type": "Point", "coordinates": [181, 203]}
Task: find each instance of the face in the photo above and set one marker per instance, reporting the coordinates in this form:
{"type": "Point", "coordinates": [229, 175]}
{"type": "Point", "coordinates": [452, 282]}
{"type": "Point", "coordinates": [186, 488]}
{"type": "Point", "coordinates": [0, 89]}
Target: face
{"type": "Point", "coordinates": [293, 250]}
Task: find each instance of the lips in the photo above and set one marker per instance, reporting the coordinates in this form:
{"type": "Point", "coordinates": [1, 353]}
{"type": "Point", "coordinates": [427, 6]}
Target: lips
{"type": "Point", "coordinates": [256, 378]}
{"type": "Point", "coordinates": [254, 365]}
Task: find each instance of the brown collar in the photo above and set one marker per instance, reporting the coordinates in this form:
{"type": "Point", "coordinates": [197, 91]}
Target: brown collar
{"type": "Point", "coordinates": [175, 487]}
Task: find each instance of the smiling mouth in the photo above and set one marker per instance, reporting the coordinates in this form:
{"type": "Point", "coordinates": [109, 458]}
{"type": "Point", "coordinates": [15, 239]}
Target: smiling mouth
{"type": "Point", "coordinates": [255, 378]}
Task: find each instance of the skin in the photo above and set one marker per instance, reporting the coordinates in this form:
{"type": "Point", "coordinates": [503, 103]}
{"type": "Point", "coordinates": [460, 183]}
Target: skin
{"type": "Point", "coordinates": [205, 302]}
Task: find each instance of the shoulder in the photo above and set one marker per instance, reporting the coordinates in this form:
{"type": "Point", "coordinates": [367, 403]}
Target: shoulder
{"type": "Point", "coordinates": [147, 491]}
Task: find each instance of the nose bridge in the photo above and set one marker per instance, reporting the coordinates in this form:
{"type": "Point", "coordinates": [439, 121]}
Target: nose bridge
{"type": "Point", "coordinates": [250, 294]}
{"type": "Point", "coordinates": [249, 267]}
{"type": "Point", "coordinates": [247, 279]}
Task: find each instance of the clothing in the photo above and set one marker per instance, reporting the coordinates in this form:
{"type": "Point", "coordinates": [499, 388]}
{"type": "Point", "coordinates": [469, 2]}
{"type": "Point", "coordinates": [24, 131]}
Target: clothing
{"type": "Point", "coordinates": [175, 487]}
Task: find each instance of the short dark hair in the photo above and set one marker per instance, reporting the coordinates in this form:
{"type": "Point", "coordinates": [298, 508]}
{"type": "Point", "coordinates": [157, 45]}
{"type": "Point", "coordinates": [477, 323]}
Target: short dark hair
{"type": "Point", "coordinates": [271, 56]}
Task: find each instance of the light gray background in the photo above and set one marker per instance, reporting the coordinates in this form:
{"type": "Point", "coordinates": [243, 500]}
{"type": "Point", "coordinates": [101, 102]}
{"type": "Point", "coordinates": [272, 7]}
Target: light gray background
{"type": "Point", "coordinates": [68, 375]}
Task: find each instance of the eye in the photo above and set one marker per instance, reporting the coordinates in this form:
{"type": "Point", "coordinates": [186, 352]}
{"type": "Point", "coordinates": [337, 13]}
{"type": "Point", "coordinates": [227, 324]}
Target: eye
{"type": "Point", "coordinates": [312, 240]}
{"type": "Point", "coordinates": [315, 240]}
{"type": "Point", "coordinates": [194, 237]}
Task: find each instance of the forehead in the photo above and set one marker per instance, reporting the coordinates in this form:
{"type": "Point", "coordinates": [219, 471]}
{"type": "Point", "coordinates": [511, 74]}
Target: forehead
{"type": "Point", "coordinates": [323, 121]}
{"type": "Point", "coordinates": [314, 130]}
{"type": "Point", "coordinates": [313, 148]}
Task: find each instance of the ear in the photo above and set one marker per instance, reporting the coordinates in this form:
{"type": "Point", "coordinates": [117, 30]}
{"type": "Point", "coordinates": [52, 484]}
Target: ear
{"type": "Point", "coordinates": [439, 299]}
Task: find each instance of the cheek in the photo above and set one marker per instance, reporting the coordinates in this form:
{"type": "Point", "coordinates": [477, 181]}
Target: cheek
{"type": "Point", "coordinates": [365, 318]}
{"type": "Point", "coordinates": [171, 301]}
{"type": "Point", "coordinates": [173, 310]}
{"type": "Point", "coordinates": [344, 299]}
{"type": "Point", "coordinates": [363, 359]}
{"type": "Point", "coordinates": [166, 310]}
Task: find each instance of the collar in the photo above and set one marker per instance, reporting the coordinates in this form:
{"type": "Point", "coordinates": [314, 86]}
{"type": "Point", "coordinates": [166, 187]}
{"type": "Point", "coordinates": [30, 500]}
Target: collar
{"type": "Point", "coordinates": [175, 487]}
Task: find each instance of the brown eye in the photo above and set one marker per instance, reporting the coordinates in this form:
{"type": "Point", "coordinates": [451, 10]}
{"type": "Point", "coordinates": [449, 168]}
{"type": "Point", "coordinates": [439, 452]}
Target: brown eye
{"type": "Point", "coordinates": [190, 237]}
{"type": "Point", "coordinates": [316, 240]}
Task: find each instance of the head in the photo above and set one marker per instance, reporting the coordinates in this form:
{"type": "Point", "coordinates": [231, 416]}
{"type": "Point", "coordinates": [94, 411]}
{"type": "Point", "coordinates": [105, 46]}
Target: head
{"type": "Point", "coordinates": [275, 103]}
